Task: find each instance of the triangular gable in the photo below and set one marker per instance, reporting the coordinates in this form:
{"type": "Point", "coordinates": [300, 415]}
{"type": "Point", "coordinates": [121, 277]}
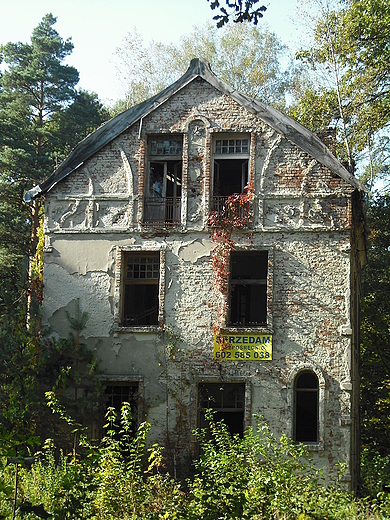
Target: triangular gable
{"type": "Point", "coordinates": [293, 131]}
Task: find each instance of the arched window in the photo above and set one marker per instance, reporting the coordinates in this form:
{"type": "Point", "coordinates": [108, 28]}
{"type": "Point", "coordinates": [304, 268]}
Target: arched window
{"type": "Point", "coordinates": [306, 407]}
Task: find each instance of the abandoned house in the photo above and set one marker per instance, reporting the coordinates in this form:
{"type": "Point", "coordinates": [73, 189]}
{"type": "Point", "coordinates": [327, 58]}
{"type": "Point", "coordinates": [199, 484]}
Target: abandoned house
{"type": "Point", "coordinates": [128, 236]}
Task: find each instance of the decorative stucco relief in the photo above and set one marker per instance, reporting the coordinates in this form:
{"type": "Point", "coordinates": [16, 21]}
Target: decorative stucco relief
{"type": "Point", "coordinates": [113, 214]}
{"type": "Point", "coordinates": [196, 154]}
{"type": "Point", "coordinates": [282, 213]}
{"type": "Point", "coordinates": [106, 205]}
{"type": "Point", "coordinates": [304, 213]}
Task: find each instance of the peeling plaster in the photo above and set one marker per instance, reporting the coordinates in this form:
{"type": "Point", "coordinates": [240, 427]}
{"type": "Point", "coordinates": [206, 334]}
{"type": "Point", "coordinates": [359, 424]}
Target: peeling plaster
{"type": "Point", "coordinates": [91, 289]}
{"type": "Point", "coordinates": [302, 219]}
{"type": "Point", "coordinates": [195, 250]}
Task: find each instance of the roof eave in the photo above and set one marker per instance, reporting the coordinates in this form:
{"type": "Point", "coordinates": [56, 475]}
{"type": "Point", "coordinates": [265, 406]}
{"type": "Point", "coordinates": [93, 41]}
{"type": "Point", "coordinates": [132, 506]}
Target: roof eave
{"type": "Point", "coordinates": [289, 128]}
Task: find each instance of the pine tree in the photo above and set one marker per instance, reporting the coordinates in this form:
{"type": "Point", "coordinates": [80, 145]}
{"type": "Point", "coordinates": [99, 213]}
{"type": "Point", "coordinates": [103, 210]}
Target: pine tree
{"type": "Point", "coordinates": [38, 104]}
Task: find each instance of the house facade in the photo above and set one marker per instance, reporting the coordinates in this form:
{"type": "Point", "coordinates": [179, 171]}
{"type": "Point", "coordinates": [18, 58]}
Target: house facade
{"type": "Point", "coordinates": [127, 235]}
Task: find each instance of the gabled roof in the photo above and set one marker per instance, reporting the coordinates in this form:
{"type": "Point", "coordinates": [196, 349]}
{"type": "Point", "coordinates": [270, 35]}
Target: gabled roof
{"type": "Point", "coordinates": [293, 131]}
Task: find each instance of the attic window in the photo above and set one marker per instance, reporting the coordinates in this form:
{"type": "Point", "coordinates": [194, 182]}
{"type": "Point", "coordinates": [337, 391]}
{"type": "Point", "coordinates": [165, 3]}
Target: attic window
{"type": "Point", "coordinates": [166, 146]}
{"type": "Point", "coordinates": [163, 187]}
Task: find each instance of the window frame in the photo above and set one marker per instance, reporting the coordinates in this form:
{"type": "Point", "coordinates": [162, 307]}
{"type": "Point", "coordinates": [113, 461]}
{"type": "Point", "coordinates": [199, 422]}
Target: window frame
{"type": "Point", "coordinates": [162, 209]}
{"type": "Point", "coordinates": [267, 326]}
{"type": "Point", "coordinates": [217, 157]}
{"type": "Point", "coordinates": [322, 396]}
{"type": "Point", "coordinates": [299, 393]}
{"type": "Point", "coordinates": [120, 381]}
{"type": "Point", "coordinates": [139, 280]}
{"type": "Point", "coordinates": [119, 293]}
{"type": "Point", "coordinates": [133, 401]}
{"type": "Point", "coordinates": [220, 136]}
{"type": "Point", "coordinates": [226, 385]}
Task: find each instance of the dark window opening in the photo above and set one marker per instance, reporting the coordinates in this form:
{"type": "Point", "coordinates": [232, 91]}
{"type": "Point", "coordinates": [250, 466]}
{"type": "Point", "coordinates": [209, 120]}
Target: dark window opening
{"type": "Point", "coordinates": [141, 289]}
{"type": "Point", "coordinates": [230, 176]}
{"type": "Point", "coordinates": [306, 408]}
{"type": "Point", "coordinates": [228, 402]}
{"type": "Point", "coordinates": [116, 395]}
{"type": "Point", "coordinates": [163, 200]}
{"type": "Point", "coordinates": [248, 288]}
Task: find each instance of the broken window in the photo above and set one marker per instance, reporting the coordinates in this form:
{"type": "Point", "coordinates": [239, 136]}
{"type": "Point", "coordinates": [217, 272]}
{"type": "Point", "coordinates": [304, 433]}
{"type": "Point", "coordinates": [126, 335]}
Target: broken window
{"type": "Point", "coordinates": [306, 407]}
{"type": "Point", "coordinates": [228, 402]}
{"type": "Point", "coordinates": [117, 394]}
{"type": "Point", "coordinates": [141, 274]}
{"type": "Point", "coordinates": [163, 191]}
{"type": "Point", "coordinates": [248, 288]}
{"type": "Point", "coordinates": [230, 168]}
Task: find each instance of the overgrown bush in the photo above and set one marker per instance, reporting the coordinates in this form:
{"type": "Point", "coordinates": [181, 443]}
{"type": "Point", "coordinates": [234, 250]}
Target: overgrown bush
{"type": "Point", "coordinates": [375, 472]}
{"type": "Point", "coordinates": [121, 478]}
{"type": "Point", "coordinates": [258, 477]}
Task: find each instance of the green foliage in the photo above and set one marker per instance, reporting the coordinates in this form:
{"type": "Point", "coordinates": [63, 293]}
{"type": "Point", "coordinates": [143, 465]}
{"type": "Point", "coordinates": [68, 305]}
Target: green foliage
{"type": "Point", "coordinates": [375, 357]}
{"type": "Point", "coordinates": [120, 477]}
{"type": "Point", "coordinates": [375, 472]}
{"type": "Point", "coordinates": [246, 57]}
{"type": "Point", "coordinates": [42, 116]}
{"type": "Point", "coordinates": [259, 477]}
{"type": "Point", "coordinates": [20, 370]}
{"type": "Point", "coordinates": [32, 365]}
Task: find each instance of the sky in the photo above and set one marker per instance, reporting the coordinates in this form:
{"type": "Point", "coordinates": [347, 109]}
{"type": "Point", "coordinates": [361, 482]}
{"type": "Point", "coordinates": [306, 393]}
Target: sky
{"type": "Point", "coordinates": [97, 28]}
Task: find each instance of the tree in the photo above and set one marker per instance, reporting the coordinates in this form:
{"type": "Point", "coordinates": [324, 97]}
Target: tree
{"type": "Point", "coordinates": [39, 104]}
{"type": "Point", "coordinates": [323, 103]}
{"type": "Point", "coordinates": [37, 80]}
{"type": "Point", "coordinates": [240, 11]}
{"type": "Point", "coordinates": [350, 44]}
{"type": "Point", "coordinates": [375, 355]}
{"type": "Point", "coordinates": [143, 71]}
{"type": "Point", "coordinates": [42, 116]}
{"type": "Point", "coordinates": [245, 56]}
{"type": "Point", "coordinates": [72, 125]}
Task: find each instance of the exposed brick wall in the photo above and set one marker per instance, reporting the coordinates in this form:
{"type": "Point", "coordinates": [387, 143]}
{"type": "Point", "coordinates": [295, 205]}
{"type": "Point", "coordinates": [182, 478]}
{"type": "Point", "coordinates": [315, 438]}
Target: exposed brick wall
{"type": "Point", "coordinates": [303, 217]}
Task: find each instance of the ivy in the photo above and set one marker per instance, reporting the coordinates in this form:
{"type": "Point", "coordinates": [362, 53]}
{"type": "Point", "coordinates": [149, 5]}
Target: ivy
{"type": "Point", "coordinates": [235, 215]}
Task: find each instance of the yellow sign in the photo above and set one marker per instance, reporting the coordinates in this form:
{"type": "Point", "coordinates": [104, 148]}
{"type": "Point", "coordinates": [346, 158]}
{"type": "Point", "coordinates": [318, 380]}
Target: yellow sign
{"type": "Point", "coordinates": [243, 347]}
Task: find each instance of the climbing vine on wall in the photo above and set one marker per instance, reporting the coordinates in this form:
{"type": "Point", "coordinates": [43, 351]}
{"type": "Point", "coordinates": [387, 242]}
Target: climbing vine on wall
{"type": "Point", "coordinates": [36, 269]}
{"type": "Point", "coordinates": [235, 215]}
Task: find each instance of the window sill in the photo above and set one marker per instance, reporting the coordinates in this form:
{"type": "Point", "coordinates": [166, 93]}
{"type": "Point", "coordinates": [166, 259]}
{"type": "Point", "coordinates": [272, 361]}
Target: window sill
{"type": "Point", "coordinates": [246, 329]}
{"type": "Point", "coordinates": [149, 329]}
{"type": "Point", "coordinates": [161, 225]}
{"type": "Point", "coordinates": [312, 446]}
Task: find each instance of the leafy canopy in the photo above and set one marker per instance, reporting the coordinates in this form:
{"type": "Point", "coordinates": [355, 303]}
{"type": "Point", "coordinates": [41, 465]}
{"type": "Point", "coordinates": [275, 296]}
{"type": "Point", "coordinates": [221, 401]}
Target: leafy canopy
{"type": "Point", "coordinates": [247, 57]}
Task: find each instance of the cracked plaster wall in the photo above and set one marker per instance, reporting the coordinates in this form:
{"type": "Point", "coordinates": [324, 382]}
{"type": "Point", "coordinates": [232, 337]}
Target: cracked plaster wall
{"type": "Point", "coordinates": [302, 216]}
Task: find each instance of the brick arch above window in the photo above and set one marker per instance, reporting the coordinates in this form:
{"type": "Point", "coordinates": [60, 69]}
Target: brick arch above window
{"type": "Point", "coordinates": [196, 117]}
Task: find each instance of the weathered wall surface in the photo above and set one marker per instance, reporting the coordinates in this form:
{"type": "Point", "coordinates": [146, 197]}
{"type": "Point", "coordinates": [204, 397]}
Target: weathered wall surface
{"type": "Point", "coordinates": [302, 216]}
